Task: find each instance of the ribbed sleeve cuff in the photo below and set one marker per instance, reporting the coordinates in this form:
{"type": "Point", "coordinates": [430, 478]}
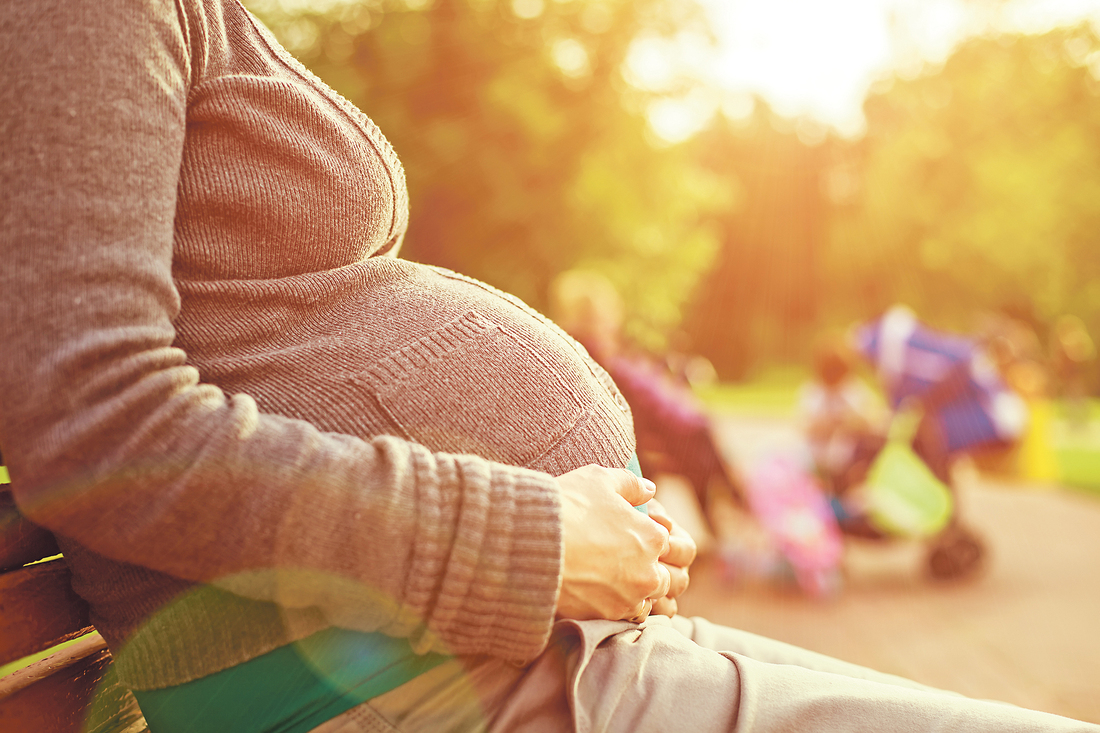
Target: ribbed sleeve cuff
{"type": "Point", "coordinates": [501, 576]}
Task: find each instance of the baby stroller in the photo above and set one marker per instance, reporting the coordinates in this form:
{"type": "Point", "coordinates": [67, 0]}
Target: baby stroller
{"type": "Point", "coordinates": [960, 404]}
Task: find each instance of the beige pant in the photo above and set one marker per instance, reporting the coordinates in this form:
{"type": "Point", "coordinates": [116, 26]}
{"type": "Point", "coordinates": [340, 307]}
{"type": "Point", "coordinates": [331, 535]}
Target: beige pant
{"type": "Point", "coordinates": [676, 675]}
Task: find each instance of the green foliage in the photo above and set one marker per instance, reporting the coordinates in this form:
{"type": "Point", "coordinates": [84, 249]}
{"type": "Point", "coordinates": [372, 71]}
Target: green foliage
{"type": "Point", "coordinates": [524, 148]}
{"type": "Point", "coordinates": [771, 393]}
{"type": "Point", "coordinates": [981, 185]}
{"type": "Point", "coordinates": [976, 188]}
{"type": "Point", "coordinates": [527, 153]}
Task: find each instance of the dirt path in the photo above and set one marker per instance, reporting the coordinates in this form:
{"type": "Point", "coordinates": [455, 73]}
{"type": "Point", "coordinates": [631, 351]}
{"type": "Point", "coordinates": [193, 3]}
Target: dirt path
{"type": "Point", "coordinates": [1027, 631]}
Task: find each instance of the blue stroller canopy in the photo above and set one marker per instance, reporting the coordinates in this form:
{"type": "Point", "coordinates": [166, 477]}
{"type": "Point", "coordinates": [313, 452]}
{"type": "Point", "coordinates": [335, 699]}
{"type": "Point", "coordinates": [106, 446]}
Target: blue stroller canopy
{"type": "Point", "coordinates": [949, 374]}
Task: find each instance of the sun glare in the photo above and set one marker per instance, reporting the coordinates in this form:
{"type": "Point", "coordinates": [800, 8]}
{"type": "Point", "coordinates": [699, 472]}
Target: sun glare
{"type": "Point", "coordinates": [815, 59]}
{"type": "Point", "coordinates": [805, 57]}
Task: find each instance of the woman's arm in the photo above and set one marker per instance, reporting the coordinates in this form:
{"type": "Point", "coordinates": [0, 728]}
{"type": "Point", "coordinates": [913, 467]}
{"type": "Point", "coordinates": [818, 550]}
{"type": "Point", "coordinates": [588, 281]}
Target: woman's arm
{"type": "Point", "coordinates": [112, 439]}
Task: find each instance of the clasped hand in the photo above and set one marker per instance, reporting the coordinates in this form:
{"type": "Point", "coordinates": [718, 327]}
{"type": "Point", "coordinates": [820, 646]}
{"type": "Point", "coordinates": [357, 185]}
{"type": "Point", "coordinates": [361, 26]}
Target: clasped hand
{"type": "Point", "coordinates": [619, 563]}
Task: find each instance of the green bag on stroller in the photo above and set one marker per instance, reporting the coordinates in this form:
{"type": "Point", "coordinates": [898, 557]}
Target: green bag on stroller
{"type": "Point", "coordinates": [903, 496]}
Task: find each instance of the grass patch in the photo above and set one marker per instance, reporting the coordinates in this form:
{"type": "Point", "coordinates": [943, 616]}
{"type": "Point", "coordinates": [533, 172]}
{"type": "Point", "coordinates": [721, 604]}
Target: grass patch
{"type": "Point", "coordinates": [1075, 439]}
{"type": "Point", "coordinates": [1079, 467]}
{"type": "Point", "coordinates": [772, 393]}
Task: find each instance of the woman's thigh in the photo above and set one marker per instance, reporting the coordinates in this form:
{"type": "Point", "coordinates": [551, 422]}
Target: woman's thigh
{"type": "Point", "coordinates": [762, 649]}
{"type": "Point", "coordinates": [680, 674]}
{"type": "Point", "coordinates": [689, 674]}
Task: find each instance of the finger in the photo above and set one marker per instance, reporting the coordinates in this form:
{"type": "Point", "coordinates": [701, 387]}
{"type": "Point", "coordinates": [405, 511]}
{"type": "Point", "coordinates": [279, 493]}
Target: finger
{"type": "Point", "coordinates": [681, 551]}
{"type": "Point", "coordinates": [661, 540]}
{"type": "Point", "coordinates": [679, 581]}
{"type": "Point", "coordinates": [664, 607]}
{"type": "Point", "coordinates": [664, 582]}
{"type": "Point", "coordinates": [659, 515]}
{"type": "Point", "coordinates": [642, 611]}
{"type": "Point", "coordinates": [654, 537]}
{"type": "Point", "coordinates": [682, 548]}
{"type": "Point", "coordinates": [634, 489]}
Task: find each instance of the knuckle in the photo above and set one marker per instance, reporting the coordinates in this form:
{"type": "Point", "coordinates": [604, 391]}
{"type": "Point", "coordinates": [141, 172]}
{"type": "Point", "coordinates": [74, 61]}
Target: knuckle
{"type": "Point", "coordinates": [659, 537]}
{"type": "Point", "coordinates": [657, 587]}
{"type": "Point", "coordinates": [653, 584]}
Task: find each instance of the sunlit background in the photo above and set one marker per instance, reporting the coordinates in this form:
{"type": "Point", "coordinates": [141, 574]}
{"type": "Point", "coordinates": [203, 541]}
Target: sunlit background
{"type": "Point", "coordinates": [746, 173]}
{"type": "Point", "coordinates": [820, 60]}
{"type": "Point", "coordinates": [750, 175]}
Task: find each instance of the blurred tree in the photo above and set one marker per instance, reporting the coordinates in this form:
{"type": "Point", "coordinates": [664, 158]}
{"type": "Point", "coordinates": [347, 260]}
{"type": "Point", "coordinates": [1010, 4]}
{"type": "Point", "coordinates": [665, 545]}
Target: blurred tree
{"type": "Point", "coordinates": [525, 150]}
{"type": "Point", "coordinates": [760, 302]}
{"type": "Point", "coordinates": [977, 187]}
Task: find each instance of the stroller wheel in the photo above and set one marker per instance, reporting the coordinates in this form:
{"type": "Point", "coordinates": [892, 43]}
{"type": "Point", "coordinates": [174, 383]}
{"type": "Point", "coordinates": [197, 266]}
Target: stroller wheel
{"type": "Point", "coordinates": [957, 553]}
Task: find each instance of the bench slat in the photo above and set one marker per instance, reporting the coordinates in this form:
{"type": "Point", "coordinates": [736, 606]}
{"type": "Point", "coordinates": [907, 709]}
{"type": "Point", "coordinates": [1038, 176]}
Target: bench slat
{"type": "Point", "coordinates": [71, 690]}
{"type": "Point", "coordinates": [21, 541]}
{"type": "Point", "coordinates": [38, 609]}
{"type": "Point", "coordinates": [75, 688]}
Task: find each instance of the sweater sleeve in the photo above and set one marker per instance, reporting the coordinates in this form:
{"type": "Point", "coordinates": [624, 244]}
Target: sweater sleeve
{"type": "Point", "coordinates": [113, 441]}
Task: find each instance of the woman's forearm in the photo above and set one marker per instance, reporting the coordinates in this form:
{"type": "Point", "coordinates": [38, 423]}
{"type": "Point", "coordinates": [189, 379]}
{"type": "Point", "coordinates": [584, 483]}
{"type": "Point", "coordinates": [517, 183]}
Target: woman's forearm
{"type": "Point", "coordinates": [114, 441]}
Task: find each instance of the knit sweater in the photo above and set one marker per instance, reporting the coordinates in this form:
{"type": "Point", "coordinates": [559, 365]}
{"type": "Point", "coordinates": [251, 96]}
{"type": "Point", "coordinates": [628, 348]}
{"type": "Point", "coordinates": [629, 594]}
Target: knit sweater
{"type": "Point", "coordinates": [245, 419]}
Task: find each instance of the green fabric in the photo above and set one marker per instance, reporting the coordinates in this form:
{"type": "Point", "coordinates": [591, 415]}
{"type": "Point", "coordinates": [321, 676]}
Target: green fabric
{"type": "Point", "coordinates": [292, 689]}
{"type": "Point", "coordinates": [636, 468]}
{"type": "Point", "coordinates": [904, 497]}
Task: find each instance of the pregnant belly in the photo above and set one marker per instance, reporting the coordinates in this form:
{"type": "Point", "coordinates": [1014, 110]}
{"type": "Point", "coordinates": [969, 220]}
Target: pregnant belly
{"type": "Point", "coordinates": [425, 354]}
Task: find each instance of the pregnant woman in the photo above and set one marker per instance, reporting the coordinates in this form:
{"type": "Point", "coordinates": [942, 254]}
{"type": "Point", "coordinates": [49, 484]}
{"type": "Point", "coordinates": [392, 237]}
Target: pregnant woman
{"type": "Point", "coordinates": [305, 485]}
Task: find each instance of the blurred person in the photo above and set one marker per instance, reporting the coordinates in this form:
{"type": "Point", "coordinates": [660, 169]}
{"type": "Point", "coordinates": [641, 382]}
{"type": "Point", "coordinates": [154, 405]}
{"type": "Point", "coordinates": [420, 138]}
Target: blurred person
{"type": "Point", "coordinates": [673, 431]}
{"type": "Point", "coordinates": [842, 417]}
{"type": "Point", "coordinates": [965, 402]}
{"type": "Point", "coordinates": [206, 329]}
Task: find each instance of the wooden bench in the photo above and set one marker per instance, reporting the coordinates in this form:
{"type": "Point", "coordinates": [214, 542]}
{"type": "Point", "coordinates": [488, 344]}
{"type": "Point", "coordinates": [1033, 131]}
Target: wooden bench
{"type": "Point", "coordinates": [71, 688]}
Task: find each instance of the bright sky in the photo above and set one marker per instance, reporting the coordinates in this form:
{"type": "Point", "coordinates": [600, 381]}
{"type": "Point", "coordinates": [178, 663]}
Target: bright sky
{"type": "Point", "coordinates": [817, 58]}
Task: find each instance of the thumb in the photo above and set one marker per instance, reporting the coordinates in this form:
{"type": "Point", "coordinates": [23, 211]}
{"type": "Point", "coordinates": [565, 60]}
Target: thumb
{"type": "Point", "coordinates": [634, 489]}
